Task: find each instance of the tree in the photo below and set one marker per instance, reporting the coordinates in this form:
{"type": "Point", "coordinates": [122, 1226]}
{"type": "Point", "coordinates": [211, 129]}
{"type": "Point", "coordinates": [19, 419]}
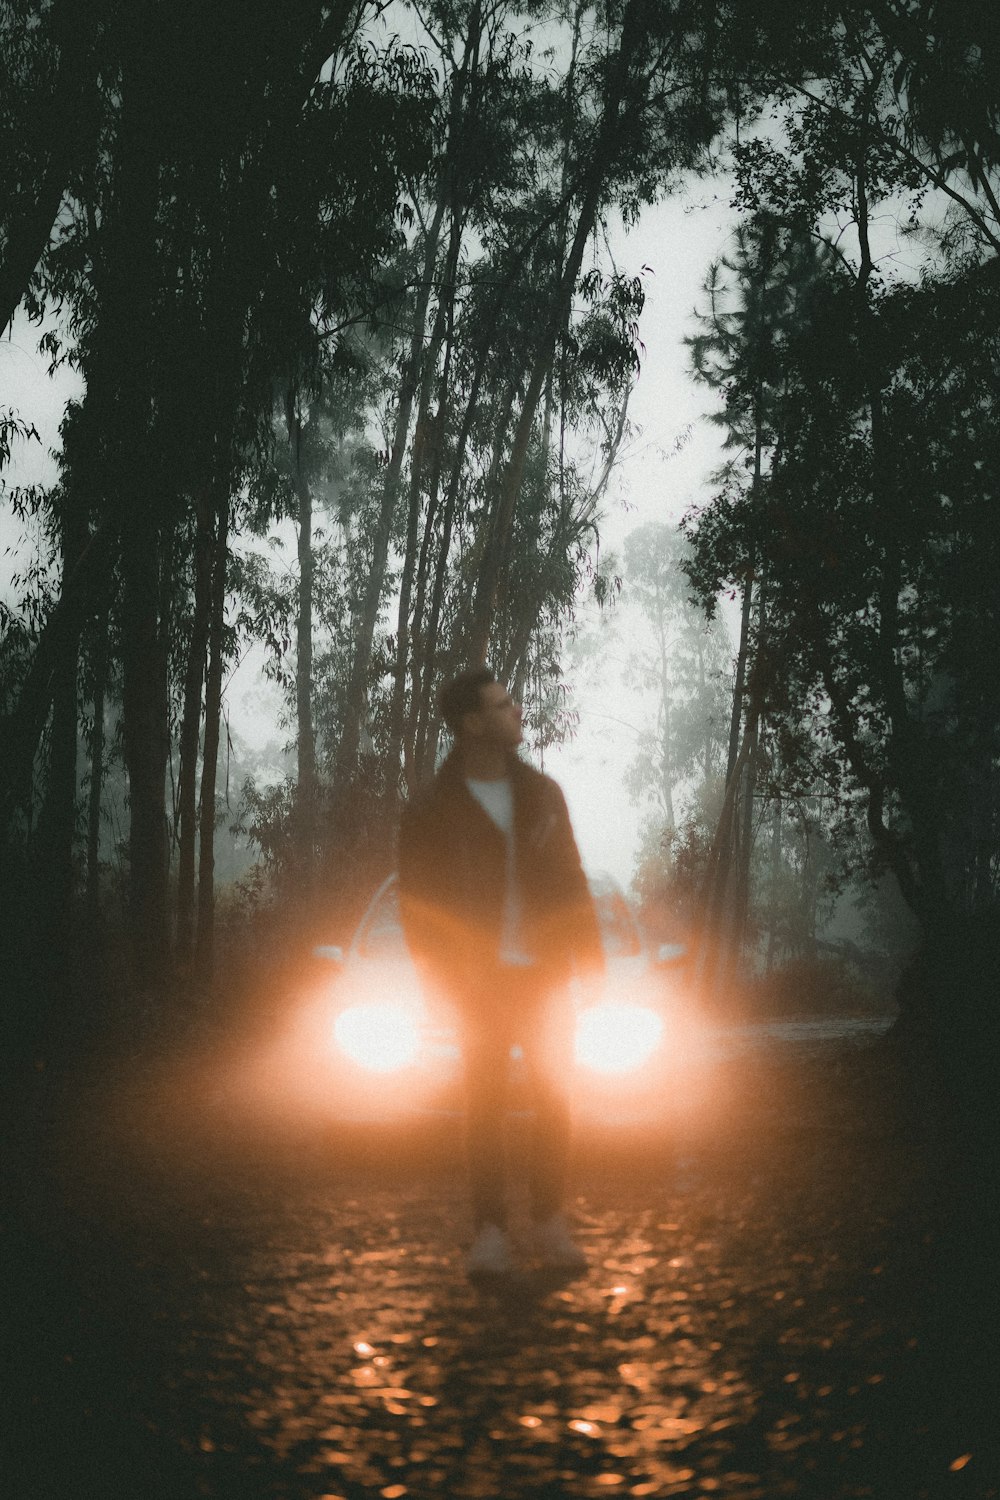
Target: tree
{"type": "Point", "coordinates": [875, 503]}
{"type": "Point", "coordinates": [685, 669]}
{"type": "Point", "coordinates": [181, 265]}
{"type": "Point", "coordinates": [740, 353]}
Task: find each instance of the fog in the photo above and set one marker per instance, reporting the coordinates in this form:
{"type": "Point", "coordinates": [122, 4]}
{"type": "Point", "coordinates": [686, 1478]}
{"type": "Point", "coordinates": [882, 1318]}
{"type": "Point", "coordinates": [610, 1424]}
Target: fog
{"type": "Point", "coordinates": [664, 469]}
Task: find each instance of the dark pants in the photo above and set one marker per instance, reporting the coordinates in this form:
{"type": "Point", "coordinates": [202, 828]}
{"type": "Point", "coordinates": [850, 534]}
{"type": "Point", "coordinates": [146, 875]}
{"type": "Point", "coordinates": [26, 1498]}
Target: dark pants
{"type": "Point", "coordinates": [516, 1006]}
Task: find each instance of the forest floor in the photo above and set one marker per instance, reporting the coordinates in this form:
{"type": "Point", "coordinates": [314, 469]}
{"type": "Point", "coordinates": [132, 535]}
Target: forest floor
{"type": "Point", "coordinates": [791, 1293]}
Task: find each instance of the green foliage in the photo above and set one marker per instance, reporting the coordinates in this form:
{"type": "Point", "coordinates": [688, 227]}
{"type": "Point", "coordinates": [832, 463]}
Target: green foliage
{"type": "Point", "coordinates": [671, 869]}
{"type": "Point", "coordinates": [877, 531]}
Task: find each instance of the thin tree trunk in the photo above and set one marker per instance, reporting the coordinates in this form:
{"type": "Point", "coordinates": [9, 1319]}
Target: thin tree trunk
{"type": "Point", "coordinates": [491, 576]}
{"type": "Point", "coordinates": [702, 694]}
{"type": "Point", "coordinates": [357, 696]}
{"type": "Point", "coordinates": [708, 951]}
{"type": "Point", "coordinates": [93, 889]}
{"type": "Point", "coordinates": [144, 674]}
{"type": "Point", "coordinates": [724, 905]}
{"type": "Point", "coordinates": [423, 750]}
{"type": "Point", "coordinates": [491, 582]}
{"type": "Point", "coordinates": [666, 767]}
{"type": "Point", "coordinates": [124, 364]}
{"type": "Point", "coordinates": [729, 869]}
{"type": "Point", "coordinates": [421, 647]}
{"type": "Point", "coordinates": [427, 731]}
{"type": "Point", "coordinates": [411, 381]}
{"type": "Point", "coordinates": [772, 928]}
{"type": "Point", "coordinates": [194, 679]}
{"type": "Point", "coordinates": [740, 904]}
{"type": "Point", "coordinates": [436, 426]}
{"type": "Point", "coordinates": [305, 808]}
{"type": "Point", "coordinates": [745, 829]}
{"type": "Point", "coordinates": [739, 681]}
{"type": "Point", "coordinates": [426, 436]}
{"type": "Point", "coordinates": [204, 953]}
{"type": "Point", "coordinates": [56, 832]}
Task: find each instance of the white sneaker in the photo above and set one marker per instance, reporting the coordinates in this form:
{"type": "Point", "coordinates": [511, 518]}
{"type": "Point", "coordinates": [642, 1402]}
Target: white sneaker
{"type": "Point", "coordinates": [490, 1254]}
{"type": "Point", "coordinates": [555, 1246]}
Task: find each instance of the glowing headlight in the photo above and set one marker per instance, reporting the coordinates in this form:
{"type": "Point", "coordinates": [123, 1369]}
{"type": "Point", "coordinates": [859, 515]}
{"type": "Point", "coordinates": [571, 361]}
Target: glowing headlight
{"type": "Point", "coordinates": [379, 1036]}
{"type": "Point", "coordinates": [617, 1037]}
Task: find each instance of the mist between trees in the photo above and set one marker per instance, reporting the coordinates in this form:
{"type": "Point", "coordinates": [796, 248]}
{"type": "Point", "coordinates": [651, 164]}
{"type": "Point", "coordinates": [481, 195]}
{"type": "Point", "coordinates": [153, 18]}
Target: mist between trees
{"type": "Point", "coordinates": [351, 270]}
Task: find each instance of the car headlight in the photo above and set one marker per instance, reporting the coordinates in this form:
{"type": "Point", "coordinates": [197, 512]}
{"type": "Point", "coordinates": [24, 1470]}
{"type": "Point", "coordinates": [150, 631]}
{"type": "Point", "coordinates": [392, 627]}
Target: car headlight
{"type": "Point", "coordinates": [617, 1037]}
{"type": "Point", "coordinates": [379, 1036]}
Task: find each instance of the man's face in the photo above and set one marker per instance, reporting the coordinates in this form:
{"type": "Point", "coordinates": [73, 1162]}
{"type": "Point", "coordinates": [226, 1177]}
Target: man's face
{"type": "Point", "coordinates": [498, 719]}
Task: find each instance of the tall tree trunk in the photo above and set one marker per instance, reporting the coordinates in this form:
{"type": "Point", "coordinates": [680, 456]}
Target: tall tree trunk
{"type": "Point", "coordinates": [739, 680]}
{"type": "Point", "coordinates": [426, 724]}
{"type": "Point", "coordinates": [56, 830]}
{"type": "Point", "coordinates": [715, 929]}
{"type": "Point", "coordinates": [666, 748]}
{"type": "Point", "coordinates": [424, 438]}
{"type": "Point", "coordinates": [146, 740]}
{"type": "Point", "coordinates": [226, 316]}
{"type": "Point", "coordinates": [93, 887]}
{"type": "Point", "coordinates": [305, 739]}
{"type": "Point", "coordinates": [205, 949]}
{"type": "Point", "coordinates": [744, 828]}
{"type": "Point", "coordinates": [121, 375]}
{"type": "Point", "coordinates": [194, 678]}
{"type": "Point", "coordinates": [431, 427]}
{"type": "Point", "coordinates": [772, 926]}
{"type": "Point", "coordinates": [739, 905]}
{"type": "Point", "coordinates": [357, 695]}
{"type": "Point", "coordinates": [491, 581]}
{"type": "Point", "coordinates": [422, 647]}
{"type": "Point", "coordinates": [425, 732]}
{"type": "Point", "coordinates": [725, 899]}
{"type": "Point", "coordinates": [485, 537]}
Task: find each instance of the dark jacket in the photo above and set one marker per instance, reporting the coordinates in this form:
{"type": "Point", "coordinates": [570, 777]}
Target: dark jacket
{"type": "Point", "coordinates": [453, 871]}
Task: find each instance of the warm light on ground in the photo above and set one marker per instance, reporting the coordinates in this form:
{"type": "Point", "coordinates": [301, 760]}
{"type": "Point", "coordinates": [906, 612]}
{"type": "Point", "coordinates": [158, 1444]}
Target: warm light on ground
{"type": "Point", "coordinates": [617, 1037]}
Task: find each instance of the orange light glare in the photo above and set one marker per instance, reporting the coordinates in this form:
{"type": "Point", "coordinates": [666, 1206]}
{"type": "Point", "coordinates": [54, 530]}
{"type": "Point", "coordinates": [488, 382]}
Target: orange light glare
{"type": "Point", "coordinates": [617, 1037]}
{"type": "Point", "coordinates": [379, 1036]}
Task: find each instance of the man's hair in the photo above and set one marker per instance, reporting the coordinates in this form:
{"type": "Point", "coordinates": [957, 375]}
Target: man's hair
{"type": "Point", "coordinates": [460, 696]}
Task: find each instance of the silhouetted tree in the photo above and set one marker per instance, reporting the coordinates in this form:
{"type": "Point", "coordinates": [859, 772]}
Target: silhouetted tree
{"type": "Point", "coordinates": [872, 504]}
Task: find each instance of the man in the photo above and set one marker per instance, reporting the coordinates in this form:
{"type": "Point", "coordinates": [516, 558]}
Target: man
{"type": "Point", "coordinates": [498, 915]}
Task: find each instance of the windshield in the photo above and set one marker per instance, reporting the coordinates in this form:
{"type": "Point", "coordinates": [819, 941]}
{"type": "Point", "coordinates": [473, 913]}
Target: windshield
{"type": "Point", "coordinates": [381, 934]}
{"type": "Point", "coordinates": [619, 933]}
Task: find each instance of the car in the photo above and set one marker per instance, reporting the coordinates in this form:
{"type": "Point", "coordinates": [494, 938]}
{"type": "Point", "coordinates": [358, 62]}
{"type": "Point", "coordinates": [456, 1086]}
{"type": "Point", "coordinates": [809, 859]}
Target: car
{"type": "Point", "coordinates": [378, 1044]}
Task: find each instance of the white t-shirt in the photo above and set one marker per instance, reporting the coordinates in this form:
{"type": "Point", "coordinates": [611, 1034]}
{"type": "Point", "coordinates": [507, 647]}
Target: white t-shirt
{"type": "Point", "coordinates": [496, 798]}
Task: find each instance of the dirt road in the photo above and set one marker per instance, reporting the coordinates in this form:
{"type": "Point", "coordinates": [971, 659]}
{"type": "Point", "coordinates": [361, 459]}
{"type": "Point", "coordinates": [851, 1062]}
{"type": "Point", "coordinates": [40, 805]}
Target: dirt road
{"type": "Point", "coordinates": [774, 1307]}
